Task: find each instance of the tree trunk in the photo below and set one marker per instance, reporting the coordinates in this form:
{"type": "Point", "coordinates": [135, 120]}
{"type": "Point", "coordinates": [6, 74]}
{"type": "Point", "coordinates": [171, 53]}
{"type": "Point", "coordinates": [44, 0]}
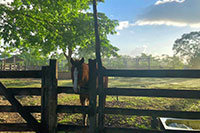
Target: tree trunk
{"type": "Point", "coordinates": [98, 42]}
{"type": "Point", "coordinates": [68, 57]}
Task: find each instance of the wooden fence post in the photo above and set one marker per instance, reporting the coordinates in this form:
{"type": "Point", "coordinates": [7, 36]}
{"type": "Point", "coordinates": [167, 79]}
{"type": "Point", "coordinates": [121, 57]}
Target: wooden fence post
{"type": "Point", "coordinates": [49, 96]}
{"type": "Point", "coordinates": [154, 122]}
{"type": "Point", "coordinates": [92, 96]}
{"type": "Point", "coordinates": [102, 101]}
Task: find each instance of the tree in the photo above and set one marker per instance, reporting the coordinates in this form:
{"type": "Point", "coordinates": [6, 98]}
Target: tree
{"type": "Point", "coordinates": [33, 57]}
{"type": "Point", "coordinates": [144, 61]}
{"type": "Point", "coordinates": [172, 62]}
{"type": "Point", "coordinates": [62, 62]}
{"type": "Point", "coordinates": [188, 46]}
{"type": "Point", "coordinates": [4, 53]}
{"type": "Point", "coordinates": [52, 25]}
{"type": "Point", "coordinates": [116, 62]}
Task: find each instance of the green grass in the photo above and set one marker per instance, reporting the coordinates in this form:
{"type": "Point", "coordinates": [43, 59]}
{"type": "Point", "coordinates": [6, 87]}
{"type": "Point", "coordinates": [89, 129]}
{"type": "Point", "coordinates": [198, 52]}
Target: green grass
{"type": "Point", "coordinates": [123, 102]}
{"type": "Point", "coordinates": [14, 83]}
{"type": "Point", "coordinates": [159, 83]}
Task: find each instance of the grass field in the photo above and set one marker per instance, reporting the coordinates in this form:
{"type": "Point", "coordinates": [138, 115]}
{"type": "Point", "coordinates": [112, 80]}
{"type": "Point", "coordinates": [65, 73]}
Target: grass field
{"type": "Point", "coordinates": [123, 101]}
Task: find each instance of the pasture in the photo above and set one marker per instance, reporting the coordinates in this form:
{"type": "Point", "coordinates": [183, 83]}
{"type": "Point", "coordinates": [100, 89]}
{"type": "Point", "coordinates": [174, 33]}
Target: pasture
{"type": "Point", "coordinates": [177, 104]}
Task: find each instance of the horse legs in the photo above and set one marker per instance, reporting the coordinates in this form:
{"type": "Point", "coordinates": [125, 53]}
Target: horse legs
{"type": "Point", "coordinates": [84, 101]}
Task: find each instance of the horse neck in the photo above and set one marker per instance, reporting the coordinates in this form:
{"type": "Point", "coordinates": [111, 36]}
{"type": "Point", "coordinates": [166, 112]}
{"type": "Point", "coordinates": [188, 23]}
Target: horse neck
{"type": "Point", "coordinates": [85, 74]}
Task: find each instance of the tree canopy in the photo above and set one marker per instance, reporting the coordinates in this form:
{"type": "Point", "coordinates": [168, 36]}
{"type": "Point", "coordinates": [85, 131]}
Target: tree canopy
{"type": "Point", "coordinates": [188, 46]}
{"type": "Point", "coordinates": [51, 25]}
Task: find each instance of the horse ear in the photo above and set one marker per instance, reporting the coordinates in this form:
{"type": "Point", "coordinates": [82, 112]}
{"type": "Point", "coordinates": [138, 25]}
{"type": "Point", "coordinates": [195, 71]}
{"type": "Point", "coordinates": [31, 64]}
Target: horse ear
{"type": "Point", "coordinates": [82, 61]}
{"type": "Point", "coordinates": [72, 61]}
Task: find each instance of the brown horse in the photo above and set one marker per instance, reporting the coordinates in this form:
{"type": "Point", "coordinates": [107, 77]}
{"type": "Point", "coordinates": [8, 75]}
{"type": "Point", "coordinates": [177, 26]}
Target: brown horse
{"type": "Point", "coordinates": [80, 78]}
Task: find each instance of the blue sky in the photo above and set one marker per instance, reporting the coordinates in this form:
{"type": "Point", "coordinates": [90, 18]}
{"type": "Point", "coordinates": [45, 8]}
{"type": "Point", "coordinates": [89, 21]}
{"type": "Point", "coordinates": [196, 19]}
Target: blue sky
{"type": "Point", "coordinates": [151, 26]}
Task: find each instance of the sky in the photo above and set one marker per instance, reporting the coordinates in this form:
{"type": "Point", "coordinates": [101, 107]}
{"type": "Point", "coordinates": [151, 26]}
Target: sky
{"type": "Point", "coordinates": [150, 26]}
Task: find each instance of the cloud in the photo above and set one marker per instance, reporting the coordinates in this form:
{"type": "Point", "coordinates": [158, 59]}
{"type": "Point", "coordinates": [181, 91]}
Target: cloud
{"type": "Point", "coordinates": [123, 25]}
{"type": "Point", "coordinates": [179, 13]}
{"type": "Point", "coordinates": [166, 1]}
{"type": "Point", "coordinates": [139, 50]}
{"type": "Point", "coordinates": [5, 1]}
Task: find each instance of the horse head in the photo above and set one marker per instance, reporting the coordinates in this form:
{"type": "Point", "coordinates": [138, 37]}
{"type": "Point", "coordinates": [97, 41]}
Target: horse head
{"type": "Point", "coordinates": [76, 73]}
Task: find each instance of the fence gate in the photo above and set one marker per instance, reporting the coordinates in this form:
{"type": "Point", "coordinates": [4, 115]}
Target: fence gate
{"type": "Point", "coordinates": [31, 121]}
{"type": "Point", "coordinates": [48, 93]}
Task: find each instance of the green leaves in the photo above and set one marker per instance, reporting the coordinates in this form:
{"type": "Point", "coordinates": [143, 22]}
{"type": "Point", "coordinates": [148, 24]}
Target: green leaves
{"type": "Point", "coordinates": [188, 46]}
{"type": "Point", "coordinates": [106, 27]}
{"type": "Point", "coordinates": [54, 24]}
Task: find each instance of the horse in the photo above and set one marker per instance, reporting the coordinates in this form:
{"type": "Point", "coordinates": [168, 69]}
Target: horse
{"type": "Point", "coordinates": [80, 79]}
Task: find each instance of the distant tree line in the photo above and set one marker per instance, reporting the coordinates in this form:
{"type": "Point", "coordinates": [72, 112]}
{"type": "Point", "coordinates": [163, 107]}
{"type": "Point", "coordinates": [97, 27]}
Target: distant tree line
{"type": "Point", "coordinates": [145, 61]}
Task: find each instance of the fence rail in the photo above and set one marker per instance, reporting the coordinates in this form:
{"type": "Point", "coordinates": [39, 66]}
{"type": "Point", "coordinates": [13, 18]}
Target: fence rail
{"type": "Point", "coordinates": [21, 74]}
{"type": "Point", "coordinates": [32, 109]}
{"type": "Point", "coordinates": [165, 93]}
{"type": "Point", "coordinates": [25, 91]}
{"type": "Point", "coordinates": [72, 128]}
{"type": "Point", "coordinates": [152, 73]}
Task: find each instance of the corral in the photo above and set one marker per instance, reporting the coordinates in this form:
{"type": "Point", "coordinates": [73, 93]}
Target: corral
{"type": "Point", "coordinates": [92, 110]}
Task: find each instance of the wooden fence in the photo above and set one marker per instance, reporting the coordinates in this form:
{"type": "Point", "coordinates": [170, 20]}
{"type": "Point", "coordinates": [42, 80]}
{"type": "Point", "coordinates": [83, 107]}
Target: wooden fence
{"type": "Point", "coordinates": [63, 75]}
{"type": "Point", "coordinates": [17, 67]}
{"type": "Point", "coordinates": [49, 107]}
